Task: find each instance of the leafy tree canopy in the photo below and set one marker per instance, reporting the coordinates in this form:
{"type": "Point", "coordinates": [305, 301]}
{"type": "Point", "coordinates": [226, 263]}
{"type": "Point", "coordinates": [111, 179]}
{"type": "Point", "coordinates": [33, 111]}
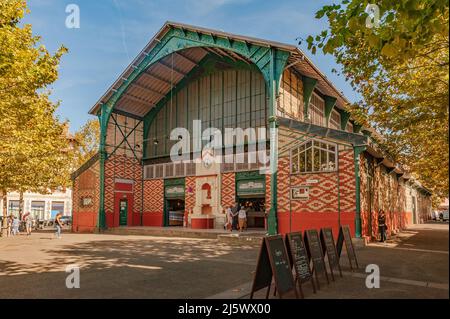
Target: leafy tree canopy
{"type": "Point", "coordinates": [397, 57]}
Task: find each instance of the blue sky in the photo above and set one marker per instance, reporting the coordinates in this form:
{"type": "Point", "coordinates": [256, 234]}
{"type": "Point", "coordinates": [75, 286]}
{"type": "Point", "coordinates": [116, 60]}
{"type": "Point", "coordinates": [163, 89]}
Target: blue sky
{"type": "Point", "coordinates": [113, 32]}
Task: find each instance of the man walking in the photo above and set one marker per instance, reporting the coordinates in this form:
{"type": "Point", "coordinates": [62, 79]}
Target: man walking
{"type": "Point", "coordinates": [58, 225]}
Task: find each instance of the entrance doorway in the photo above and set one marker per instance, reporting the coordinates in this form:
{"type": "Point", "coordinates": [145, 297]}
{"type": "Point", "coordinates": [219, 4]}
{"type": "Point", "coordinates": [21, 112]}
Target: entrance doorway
{"type": "Point", "coordinates": [175, 211]}
{"type": "Point", "coordinates": [123, 212]}
{"type": "Point", "coordinates": [255, 208]}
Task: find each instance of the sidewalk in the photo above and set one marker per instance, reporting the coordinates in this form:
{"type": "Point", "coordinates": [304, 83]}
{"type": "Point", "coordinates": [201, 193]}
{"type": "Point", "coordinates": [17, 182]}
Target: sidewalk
{"type": "Point", "coordinates": [414, 264]}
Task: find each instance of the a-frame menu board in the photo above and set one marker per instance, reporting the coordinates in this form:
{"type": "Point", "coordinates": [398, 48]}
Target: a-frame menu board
{"type": "Point", "coordinates": [328, 246]}
{"type": "Point", "coordinates": [315, 253]}
{"type": "Point", "coordinates": [299, 260]}
{"type": "Point", "coordinates": [346, 237]}
{"type": "Point", "coordinates": [273, 262]}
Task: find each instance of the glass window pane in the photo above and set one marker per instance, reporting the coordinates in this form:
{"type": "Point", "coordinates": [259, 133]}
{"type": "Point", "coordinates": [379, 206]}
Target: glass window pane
{"type": "Point", "coordinates": [295, 164]}
{"type": "Point", "coordinates": [302, 165]}
{"type": "Point", "coordinates": [316, 159]}
{"type": "Point", "coordinates": [309, 164]}
{"type": "Point", "coordinates": [323, 160]}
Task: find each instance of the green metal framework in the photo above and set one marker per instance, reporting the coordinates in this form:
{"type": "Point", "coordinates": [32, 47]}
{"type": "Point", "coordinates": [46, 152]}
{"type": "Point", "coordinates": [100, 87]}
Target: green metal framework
{"type": "Point", "coordinates": [308, 88]}
{"type": "Point", "coordinates": [270, 61]}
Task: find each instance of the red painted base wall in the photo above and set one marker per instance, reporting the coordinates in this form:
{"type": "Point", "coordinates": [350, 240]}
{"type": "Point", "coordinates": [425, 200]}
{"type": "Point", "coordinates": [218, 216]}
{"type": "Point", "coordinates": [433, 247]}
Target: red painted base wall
{"type": "Point", "coordinates": [153, 219]}
{"type": "Point", "coordinates": [85, 222]}
{"type": "Point", "coordinates": [305, 221]}
{"type": "Point", "coordinates": [202, 223]}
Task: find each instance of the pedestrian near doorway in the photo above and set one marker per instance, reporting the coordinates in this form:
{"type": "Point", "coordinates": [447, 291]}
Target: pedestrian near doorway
{"type": "Point", "coordinates": [382, 225]}
{"type": "Point", "coordinates": [58, 225]}
{"type": "Point", "coordinates": [235, 211]}
{"type": "Point", "coordinates": [242, 219]}
{"type": "Point", "coordinates": [229, 219]}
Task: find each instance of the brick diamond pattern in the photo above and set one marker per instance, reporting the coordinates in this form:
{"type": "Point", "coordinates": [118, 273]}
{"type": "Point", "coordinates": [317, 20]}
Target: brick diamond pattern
{"type": "Point", "coordinates": [120, 166]}
{"type": "Point", "coordinates": [347, 183]}
{"type": "Point", "coordinates": [228, 189]}
{"type": "Point", "coordinates": [154, 196]}
{"type": "Point", "coordinates": [190, 197]}
{"type": "Point", "coordinates": [283, 184]}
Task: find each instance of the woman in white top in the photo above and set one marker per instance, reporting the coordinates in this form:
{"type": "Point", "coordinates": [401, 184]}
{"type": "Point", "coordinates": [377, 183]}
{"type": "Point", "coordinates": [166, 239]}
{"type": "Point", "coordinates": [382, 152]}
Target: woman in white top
{"type": "Point", "coordinates": [242, 219]}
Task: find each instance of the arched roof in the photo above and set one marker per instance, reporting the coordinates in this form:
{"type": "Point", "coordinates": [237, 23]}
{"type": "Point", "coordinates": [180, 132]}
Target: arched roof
{"type": "Point", "coordinates": [156, 79]}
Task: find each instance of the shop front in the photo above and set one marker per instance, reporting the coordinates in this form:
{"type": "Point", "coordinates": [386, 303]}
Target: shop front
{"type": "Point", "coordinates": [174, 202]}
{"type": "Point", "coordinates": [251, 192]}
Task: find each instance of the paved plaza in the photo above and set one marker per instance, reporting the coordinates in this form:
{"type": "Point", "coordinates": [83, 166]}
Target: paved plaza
{"type": "Point", "coordinates": [413, 265]}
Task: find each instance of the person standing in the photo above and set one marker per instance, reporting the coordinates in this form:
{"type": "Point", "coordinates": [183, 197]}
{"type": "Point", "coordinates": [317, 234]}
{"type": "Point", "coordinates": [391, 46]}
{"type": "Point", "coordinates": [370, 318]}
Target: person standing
{"type": "Point", "coordinates": [15, 226]}
{"type": "Point", "coordinates": [242, 219]}
{"type": "Point", "coordinates": [229, 219]}
{"type": "Point", "coordinates": [58, 225]}
{"type": "Point", "coordinates": [9, 221]}
{"type": "Point", "coordinates": [235, 211]}
{"type": "Point", "coordinates": [28, 223]}
{"type": "Point", "coordinates": [382, 225]}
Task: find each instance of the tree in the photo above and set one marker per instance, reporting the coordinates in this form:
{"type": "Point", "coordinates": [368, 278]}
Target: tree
{"type": "Point", "coordinates": [87, 141]}
{"type": "Point", "coordinates": [31, 148]}
{"type": "Point", "coordinates": [397, 57]}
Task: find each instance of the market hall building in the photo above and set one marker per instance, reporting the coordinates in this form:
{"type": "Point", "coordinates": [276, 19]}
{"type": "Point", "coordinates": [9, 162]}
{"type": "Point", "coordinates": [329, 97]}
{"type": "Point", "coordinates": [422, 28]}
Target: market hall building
{"type": "Point", "coordinates": [325, 169]}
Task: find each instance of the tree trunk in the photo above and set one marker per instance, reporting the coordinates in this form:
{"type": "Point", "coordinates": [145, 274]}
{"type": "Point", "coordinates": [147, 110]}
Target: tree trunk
{"type": "Point", "coordinates": [5, 212]}
{"type": "Point", "coordinates": [20, 205]}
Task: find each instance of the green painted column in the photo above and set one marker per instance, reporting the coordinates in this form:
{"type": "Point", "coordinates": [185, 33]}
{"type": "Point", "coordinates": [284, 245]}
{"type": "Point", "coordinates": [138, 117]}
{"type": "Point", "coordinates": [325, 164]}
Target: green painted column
{"type": "Point", "coordinates": [278, 61]}
{"type": "Point", "coordinates": [357, 150]}
{"type": "Point", "coordinates": [103, 118]}
{"type": "Point", "coordinates": [272, 223]}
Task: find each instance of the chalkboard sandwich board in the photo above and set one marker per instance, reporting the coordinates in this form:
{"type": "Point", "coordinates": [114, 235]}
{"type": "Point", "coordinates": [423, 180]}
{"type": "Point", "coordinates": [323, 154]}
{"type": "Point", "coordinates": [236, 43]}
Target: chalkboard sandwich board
{"type": "Point", "coordinates": [328, 246]}
{"type": "Point", "coordinates": [314, 249]}
{"type": "Point", "coordinates": [299, 260]}
{"type": "Point", "coordinates": [273, 262]}
{"type": "Point", "coordinates": [346, 237]}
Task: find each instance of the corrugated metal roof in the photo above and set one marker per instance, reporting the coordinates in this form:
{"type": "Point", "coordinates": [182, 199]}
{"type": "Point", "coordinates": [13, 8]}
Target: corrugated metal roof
{"type": "Point", "coordinates": [159, 78]}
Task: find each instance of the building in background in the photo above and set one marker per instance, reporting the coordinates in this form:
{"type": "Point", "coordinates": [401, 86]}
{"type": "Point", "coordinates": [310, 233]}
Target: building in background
{"type": "Point", "coordinates": [42, 206]}
{"type": "Point", "coordinates": [330, 171]}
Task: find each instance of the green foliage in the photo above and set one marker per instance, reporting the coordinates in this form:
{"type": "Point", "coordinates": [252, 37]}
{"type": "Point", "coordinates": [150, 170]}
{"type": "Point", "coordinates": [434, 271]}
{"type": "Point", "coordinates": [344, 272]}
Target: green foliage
{"type": "Point", "coordinates": [87, 141]}
{"type": "Point", "coordinates": [34, 149]}
{"type": "Point", "coordinates": [400, 68]}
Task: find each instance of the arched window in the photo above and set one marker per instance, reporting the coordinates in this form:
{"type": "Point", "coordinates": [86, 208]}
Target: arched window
{"type": "Point", "coordinates": [314, 156]}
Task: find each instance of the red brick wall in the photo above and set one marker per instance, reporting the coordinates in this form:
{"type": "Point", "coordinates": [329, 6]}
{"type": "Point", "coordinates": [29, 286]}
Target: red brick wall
{"type": "Point", "coordinates": [190, 197]}
{"type": "Point", "coordinates": [321, 209]}
{"type": "Point", "coordinates": [153, 202]}
{"type": "Point", "coordinates": [228, 189]}
{"type": "Point", "coordinates": [122, 167]}
{"type": "Point", "coordinates": [86, 185]}
{"type": "Point", "coordinates": [389, 194]}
